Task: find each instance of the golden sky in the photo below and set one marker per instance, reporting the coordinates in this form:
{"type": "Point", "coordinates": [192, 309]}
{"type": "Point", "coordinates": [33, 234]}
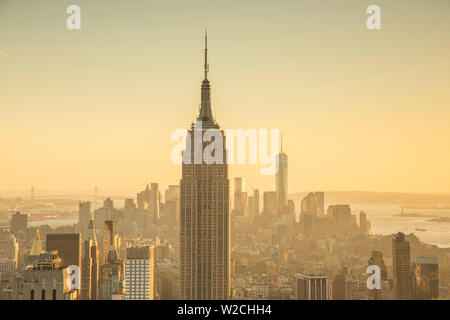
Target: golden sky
{"type": "Point", "coordinates": [359, 109]}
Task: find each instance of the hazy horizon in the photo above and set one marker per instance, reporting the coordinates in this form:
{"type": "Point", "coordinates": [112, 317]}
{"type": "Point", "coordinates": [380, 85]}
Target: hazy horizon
{"type": "Point", "coordinates": [359, 109]}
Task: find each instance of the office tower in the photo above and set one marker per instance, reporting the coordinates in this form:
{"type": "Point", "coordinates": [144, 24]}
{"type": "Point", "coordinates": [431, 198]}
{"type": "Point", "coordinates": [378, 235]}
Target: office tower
{"type": "Point", "coordinates": [425, 271]}
{"type": "Point", "coordinates": [47, 280]}
{"type": "Point", "coordinates": [90, 264]}
{"type": "Point", "coordinates": [167, 280]}
{"type": "Point", "coordinates": [313, 204]}
{"type": "Point", "coordinates": [251, 205]}
{"type": "Point", "coordinates": [320, 204]}
{"type": "Point", "coordinates": [108, 239]}
{"type": "Point", "coordinates": [204, 214]}
{"type": "Point", "coordinates": [239, 185]}
{"type": "Point", "coordinates": [86, 270]}
{"type": "Point", "coordinates": [401, 267]}
{"type": "Point", "coordinates": [68, 246]}
{"type": "Point", "coordinates": [143, 198]}
{"type": "Point", "coordinates": [112, 277]}
{"type": "Point", "coordinates": [256, 201]}
{"type": "Point", "coordinates": [139, 273]}
{"type": "Point", "coordinates": [311, 208]}
{"type": "Point", "coordinates": [364, 224]}
{"type": "Point", "coordinates": [240, 197]}
{"type": "Point", "coordinates": [9, 247]}
{"type": "Point", "coordinates": [339, 286]}
{"type": "Point", "coordinates": [154, 202]}
{"type": "Point", "coordinates": [108, 203]}
{"type": "Point", "coordinates": [84, 212]}
{"type": "Point", "coordinates": [281, 178]}
{"type": "Point", "coordinates": [311, 287]}
{"type": "Point", "coordinates": [270, 208]}
{"type": "Point", "coordinates": [172, 193]}
{"type": "Point", "coordinates": [344, 222]}
{"type": "Point", "coordinates": [19, 223]}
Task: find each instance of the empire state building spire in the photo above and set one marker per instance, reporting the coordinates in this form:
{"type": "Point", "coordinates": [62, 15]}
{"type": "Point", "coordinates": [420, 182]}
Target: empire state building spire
{"type": "Point", "coordinates": [205, 109]}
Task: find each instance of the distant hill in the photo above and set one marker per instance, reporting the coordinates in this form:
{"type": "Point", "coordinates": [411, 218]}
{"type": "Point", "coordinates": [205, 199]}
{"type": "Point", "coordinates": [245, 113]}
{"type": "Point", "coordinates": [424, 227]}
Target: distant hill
{"type": "Point", "coordinates": [366, 197]}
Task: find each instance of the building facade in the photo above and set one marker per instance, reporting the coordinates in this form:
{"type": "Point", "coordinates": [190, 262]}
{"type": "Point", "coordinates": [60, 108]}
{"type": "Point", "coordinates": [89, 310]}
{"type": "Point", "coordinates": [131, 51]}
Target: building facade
{"type": "Point", "coordinates": [204, 209]}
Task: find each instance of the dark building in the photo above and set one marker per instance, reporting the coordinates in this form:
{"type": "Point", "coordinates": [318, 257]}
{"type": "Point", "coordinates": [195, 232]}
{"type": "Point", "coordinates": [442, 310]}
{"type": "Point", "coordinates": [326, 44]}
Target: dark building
{"type": "Point", "coordinates": [19, 223]}
{"type": "Point", "coordinates": [68, 246]}
{"type": "Point", "coordinates": [401, 267]}
{"type": "Point", "coordinates": [425, 271]}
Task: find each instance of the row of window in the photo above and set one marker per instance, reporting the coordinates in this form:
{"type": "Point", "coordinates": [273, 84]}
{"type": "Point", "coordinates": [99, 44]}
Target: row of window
{"type": "Point", "coordinates": [43, 294]}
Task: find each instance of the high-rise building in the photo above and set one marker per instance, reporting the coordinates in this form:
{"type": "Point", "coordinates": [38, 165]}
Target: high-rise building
{"type": "Point", "coordinates": [139, 273]}
{"type": "Point", "coordinates": [281, 178]}
{"type": "Point", "coordinates": [311, 287]}
{"type": "Point", "coordinates": [112, 278]}
{"type": "Point", "coordinates": [364, 224]}
{"type": "Point", "coordinates": [204, 214]}
{"type": "Point", "coordinates": [108, 239]}
{"type": "Point", "coordinates": [313, 203]}
{"type": "Point", "coordinates": [155, 199]}
{"type": "Point", "coordinates": [68, 246]}
{"type": "Point", "coordinates": [425, 278]}
{"type": "Point", "coordinates": [344, 222]}
{"type": "Point", "coordinates": [90, 264]}
{"type": "Point", "coordinates": [172, 193]}
{"type": "Point", "coordinates": [401, 267]}
{"type": "Point", "coordinates": [9, 247]}
{"type": "Point", "coordinates": [84, 212]}
{"type": "Point", "coordinates": [270, 208]}
{"type": "Point", "coordinates": [19, 223]}
{"type": "Point", "coordinates": [256, 201]}
{"type": "Point", "coordinates": [240, 197]}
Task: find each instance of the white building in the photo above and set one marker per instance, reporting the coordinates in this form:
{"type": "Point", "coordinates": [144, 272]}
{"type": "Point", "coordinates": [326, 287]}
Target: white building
{"type": "Point", "coordinates": [139, 273]}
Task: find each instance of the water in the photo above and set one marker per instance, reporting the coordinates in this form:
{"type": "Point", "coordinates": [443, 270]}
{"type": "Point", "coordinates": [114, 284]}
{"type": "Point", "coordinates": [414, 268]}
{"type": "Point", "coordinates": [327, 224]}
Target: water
{"type": "Point", "coordinates": [383, 222]}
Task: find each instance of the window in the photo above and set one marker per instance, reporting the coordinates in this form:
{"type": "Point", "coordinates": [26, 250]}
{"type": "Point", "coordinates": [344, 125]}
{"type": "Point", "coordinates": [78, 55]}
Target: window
{"type": "Point", "coordinates": [54, 294]}
{"type": "Point", "coordinates": [43, 294]}
{"type": "Point", "coordinates": [32, 294]}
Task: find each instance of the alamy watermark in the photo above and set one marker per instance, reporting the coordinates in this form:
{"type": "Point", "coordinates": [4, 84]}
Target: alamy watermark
{"type": "Point", "coordinates": [207, 146]}
{"type": "Point", "coordinates": [73, 22]}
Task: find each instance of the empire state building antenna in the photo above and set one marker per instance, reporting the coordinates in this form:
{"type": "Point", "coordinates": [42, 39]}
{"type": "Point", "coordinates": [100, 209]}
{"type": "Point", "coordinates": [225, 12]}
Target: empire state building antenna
{"type": "Point", "coordinates": [206, 54]}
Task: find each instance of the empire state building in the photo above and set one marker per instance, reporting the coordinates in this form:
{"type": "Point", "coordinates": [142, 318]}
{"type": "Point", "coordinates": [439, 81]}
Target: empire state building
{"type": "Point", "coordinates": [204, 209]}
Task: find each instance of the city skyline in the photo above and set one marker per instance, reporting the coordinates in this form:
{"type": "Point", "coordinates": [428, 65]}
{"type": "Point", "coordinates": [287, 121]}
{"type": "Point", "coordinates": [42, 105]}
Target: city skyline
{"type": "Point", "coordinates": [340, 191]}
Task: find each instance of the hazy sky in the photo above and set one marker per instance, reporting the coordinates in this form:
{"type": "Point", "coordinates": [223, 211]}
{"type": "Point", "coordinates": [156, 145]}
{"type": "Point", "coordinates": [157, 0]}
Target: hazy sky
{"type": "Point", "coordinates": [359, 109]}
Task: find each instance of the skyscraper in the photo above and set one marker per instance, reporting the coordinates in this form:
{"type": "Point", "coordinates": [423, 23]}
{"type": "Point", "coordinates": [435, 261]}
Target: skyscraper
{"type": "Point", "coordinates": [204, 208]}
{"type": "Point", "coordinates": [425, 278]}
{"type": "Point", "coordinates": [240, 197]}
{"type": "Point", "coordinates": [270, 208]}
{"type": "Point", "coordinates": [90, 264]}
{"type": "Point", "coordinates": [401, 267]}
{"type": "Point", "coordinates": [108, 239]}
{"type": "Point", "coordinates": [84, 211]}
{"type": "Point", "coordinates": [281, 178]}
{"type": "Point", "coordinates": [68, 246]}
{"type": "Point", "coordinates": [19, 223]}
{"type": "Point", "coordinates": [139, 273]}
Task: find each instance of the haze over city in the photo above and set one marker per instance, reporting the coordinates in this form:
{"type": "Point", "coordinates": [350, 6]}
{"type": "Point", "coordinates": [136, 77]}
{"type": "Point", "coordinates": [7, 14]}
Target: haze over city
{"type": "Point", "coordinates": [359, 110]}
{"type": "Point", "coordinates": [121, 124]}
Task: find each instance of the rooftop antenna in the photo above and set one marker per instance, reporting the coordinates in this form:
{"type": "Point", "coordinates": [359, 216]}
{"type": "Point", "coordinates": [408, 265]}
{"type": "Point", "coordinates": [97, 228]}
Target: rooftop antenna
{"type": "Point", "coordinates": [206, 54]}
